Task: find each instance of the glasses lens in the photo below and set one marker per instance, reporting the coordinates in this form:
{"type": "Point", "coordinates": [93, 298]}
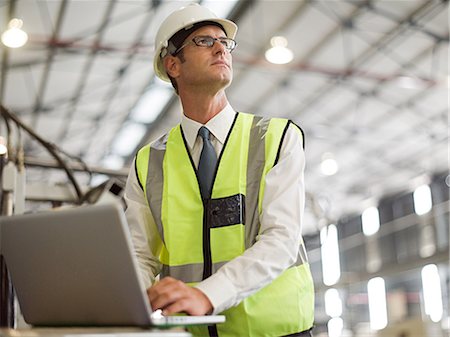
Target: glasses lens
{"type": "Point", "coordinates": [228, 43]}
{"type": "Point", "coordinates": [208, 41]}
{"type": "Point", "coordinates": [231, 44]}
{"type": "Point", "coordinates": [204, 41]}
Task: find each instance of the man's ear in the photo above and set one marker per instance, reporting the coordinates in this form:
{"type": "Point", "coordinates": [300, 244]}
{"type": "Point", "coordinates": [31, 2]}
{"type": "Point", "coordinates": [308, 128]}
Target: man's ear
{"type": "Point", "coordinates": [171, 63]}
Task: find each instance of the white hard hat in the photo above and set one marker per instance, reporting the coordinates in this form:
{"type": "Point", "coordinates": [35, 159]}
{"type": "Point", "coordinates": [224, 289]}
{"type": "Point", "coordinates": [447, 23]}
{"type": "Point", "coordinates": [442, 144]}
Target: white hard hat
{"type": "Point", "coordinates": [184, 18]}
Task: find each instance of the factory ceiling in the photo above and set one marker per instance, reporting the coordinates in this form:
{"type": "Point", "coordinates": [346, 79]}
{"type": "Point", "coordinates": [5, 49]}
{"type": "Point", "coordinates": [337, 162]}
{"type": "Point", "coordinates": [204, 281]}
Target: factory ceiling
{"type": "Point", "coordinates": [368, 84]}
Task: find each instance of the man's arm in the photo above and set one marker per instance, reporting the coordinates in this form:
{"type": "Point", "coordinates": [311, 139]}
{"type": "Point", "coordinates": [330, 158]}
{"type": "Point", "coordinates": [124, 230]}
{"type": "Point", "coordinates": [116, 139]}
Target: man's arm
{"type": "Point", "coordinates": [277, 245]}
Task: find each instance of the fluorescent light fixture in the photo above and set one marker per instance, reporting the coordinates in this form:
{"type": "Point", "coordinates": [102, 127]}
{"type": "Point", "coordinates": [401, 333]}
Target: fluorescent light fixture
{"type": "Point", "coordinates": [279, 53]}
{"type": "Point", "coordinates": [333, 303]}
{"type": "Point", "coordinates": [422, 199]}
{"type": "Point", "coordinates": [376, 290]}
{"type": "Point", "coordinates": [370, 221]}
{"type": "Point", "coordinates": [128, 139]}
{"type": "Point", "coordinates": [432, 293]}
{"type": "Point", "coordinates": [409, 82]}
{"type": "Point", "coordinates": [151, 104]}
{"type": "Point", "coordinates": [222, 8]}
{"type": "Point", "coordinates": [331, 266]}
{"type": "Point", "coordinates": [329, 165]}
{"type": "Point", "coordinates": [14, 36]}
{"type": "Point", "coordinates": [335, 327]}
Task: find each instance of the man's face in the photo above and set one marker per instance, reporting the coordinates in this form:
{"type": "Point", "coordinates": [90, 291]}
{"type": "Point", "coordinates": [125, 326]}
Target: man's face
{"type": "Point", "coordinates": [203, 66]}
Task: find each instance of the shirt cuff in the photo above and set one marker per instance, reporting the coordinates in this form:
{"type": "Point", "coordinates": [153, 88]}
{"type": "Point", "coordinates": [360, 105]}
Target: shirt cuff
{"type": "Point", "coordinates": [220, 292]}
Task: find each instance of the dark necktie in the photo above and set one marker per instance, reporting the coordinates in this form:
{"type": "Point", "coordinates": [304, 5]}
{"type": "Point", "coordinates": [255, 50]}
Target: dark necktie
{"type": "Point", "coordinates": [207, 163]}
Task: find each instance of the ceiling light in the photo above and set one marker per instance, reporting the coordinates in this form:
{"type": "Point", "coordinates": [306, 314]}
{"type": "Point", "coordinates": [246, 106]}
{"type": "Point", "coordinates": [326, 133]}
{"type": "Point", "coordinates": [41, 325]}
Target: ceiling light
{"type": "Point", "coordinates": [335, 327]}
{"type": "Point", "coordinates": [408, 82]}
{"type": "Point", "coordinates": [432, 294]}
{"type": "Point", "coordinates": [370, 221]}
{"type": "Point", "coordinates": [329, 165]}
{"type": "Point", "coordinates": [14, 36]}
{"type": "Point", "coordinates": [333, 303]}
{"type": "Point", "coordinates": [422, 200]}
{"type": "Point", "coordinates": [331, 266]}
{"type": "Point", "coordinates": [376, 290]}
{"type": "Point", "coordinates": [279, 53]}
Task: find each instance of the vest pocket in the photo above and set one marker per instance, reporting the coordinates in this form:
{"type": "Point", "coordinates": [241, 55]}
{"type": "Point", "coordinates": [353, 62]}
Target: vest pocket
{"type": "Point", "coordinates": [226, 211]}
{"type": "Point", "coordinates": [227, 242]}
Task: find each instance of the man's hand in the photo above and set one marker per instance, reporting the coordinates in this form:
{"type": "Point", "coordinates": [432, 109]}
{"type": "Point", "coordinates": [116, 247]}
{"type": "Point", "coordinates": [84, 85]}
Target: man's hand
{"type": "Point", "coordinates": [172, 296]}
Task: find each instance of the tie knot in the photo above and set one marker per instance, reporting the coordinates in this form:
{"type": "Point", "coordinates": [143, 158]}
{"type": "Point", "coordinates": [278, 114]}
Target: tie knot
{"type": "Point", "coordinates": [204, 133]}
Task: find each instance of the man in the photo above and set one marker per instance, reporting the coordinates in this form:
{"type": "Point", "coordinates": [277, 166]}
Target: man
{"type": "Point", "coordinates": [215, 206]}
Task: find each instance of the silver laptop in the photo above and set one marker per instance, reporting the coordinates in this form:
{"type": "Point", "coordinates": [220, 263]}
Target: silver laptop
{"type": "Point", "coordinates": [76, 267]}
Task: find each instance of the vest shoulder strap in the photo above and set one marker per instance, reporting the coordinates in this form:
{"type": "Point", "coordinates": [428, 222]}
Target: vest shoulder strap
{"type": "Point", "coordinates": [143, 156]}
{"type": "Point", "coordinates": [301, 132]}
{"type": "Point", "coordinates": [141, 165]}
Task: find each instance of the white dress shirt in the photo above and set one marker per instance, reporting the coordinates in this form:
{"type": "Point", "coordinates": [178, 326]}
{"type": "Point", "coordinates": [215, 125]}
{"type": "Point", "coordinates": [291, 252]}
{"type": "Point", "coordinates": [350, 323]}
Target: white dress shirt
{"type": "Point", "coordinates": [277, 245]}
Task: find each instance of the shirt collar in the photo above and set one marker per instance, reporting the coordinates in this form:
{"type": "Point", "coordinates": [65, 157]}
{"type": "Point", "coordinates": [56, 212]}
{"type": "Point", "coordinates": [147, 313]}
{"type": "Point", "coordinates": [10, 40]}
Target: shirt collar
{"type": "Point", "coordinates": [219, 126]}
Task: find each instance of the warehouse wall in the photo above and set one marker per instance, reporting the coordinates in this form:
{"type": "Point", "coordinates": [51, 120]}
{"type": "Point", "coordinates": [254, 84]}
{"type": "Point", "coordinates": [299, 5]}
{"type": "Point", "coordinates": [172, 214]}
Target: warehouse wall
{"type": "Point", "coordinates": [404, 244]}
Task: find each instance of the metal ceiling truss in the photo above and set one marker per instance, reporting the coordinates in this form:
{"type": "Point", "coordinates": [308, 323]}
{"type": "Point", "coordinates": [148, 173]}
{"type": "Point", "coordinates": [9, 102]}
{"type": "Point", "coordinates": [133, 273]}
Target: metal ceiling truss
{"type": "Point", "coordinates": [86, 70]}
{"type": "Point", "coordinates": [128, 59]}
{"type": "Point", "coordinates": [48, 64]}
{"type": "Point", "coordinates": [345, 29]}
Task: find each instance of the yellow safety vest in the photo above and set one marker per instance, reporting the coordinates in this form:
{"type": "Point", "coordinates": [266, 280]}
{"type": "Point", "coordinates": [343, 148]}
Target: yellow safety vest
{"type": "Point", "coordinates": [201, 236]}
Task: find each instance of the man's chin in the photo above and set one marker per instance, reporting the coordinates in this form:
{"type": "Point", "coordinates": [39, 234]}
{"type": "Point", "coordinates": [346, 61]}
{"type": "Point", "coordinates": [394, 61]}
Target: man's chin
{"type": "Point", "coordinates": [225, 80]}
{"type": "Point", "coordinates": [216, 83]}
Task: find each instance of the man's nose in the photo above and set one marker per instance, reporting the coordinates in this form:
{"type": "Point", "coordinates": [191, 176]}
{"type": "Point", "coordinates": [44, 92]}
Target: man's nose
{"type": "Point", "coordinates": [219, 47]}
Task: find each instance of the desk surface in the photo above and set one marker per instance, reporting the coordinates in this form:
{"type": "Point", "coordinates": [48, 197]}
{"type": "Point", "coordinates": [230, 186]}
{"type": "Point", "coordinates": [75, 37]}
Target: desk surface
{"type": "Point", "coordinates": [93, 332]}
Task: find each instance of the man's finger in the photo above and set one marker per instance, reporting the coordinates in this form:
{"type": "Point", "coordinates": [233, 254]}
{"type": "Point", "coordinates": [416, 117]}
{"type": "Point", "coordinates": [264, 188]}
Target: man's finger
{"type": "Point", "coordinates": [181, 305]}
{"type": "Point", "coordinates": [164, 295]}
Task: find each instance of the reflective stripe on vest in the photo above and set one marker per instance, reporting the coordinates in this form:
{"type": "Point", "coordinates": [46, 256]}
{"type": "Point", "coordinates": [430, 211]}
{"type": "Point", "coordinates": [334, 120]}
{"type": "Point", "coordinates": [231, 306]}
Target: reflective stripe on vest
{"type": "Point", "coordinates": [193, 248]}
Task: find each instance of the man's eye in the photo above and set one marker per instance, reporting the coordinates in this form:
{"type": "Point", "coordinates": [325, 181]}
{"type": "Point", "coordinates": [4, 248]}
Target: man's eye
{"type": "Point", "coordinates": [204, 41]}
